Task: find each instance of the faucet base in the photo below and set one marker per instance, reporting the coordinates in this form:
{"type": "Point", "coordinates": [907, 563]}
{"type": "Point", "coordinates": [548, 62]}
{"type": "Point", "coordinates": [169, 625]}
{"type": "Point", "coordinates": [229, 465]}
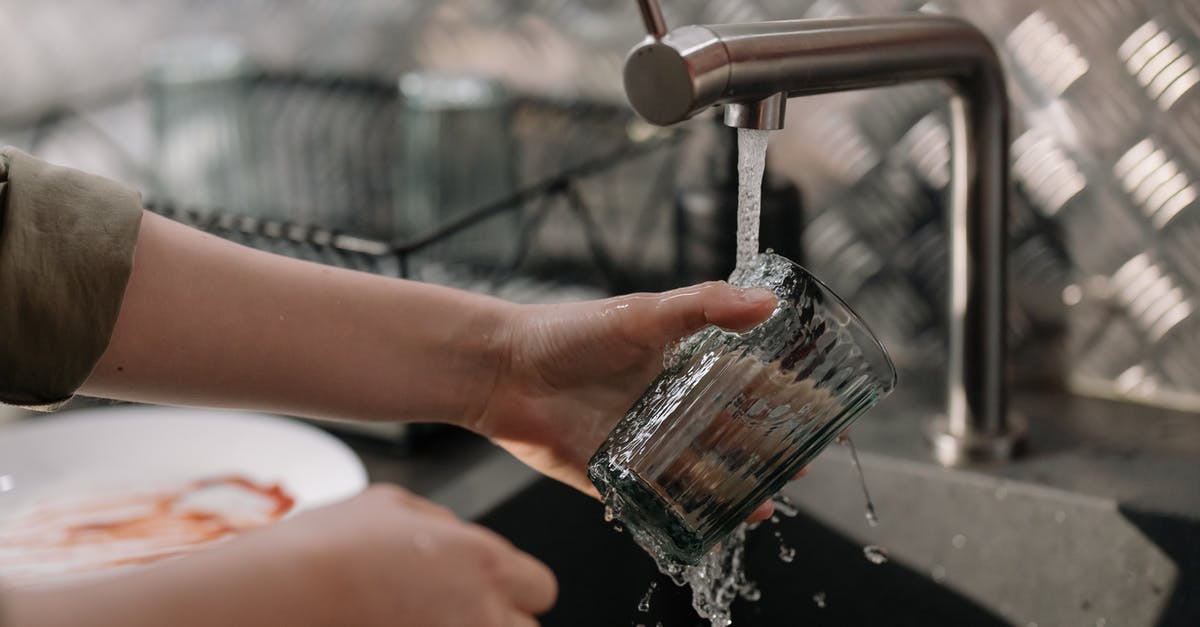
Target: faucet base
{"type": "Point", "coordinates": [951, 449]}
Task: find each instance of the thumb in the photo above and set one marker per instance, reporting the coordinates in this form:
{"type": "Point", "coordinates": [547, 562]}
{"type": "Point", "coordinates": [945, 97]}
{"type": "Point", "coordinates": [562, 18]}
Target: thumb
{"type": "Point", "coordinates": [658, 319]}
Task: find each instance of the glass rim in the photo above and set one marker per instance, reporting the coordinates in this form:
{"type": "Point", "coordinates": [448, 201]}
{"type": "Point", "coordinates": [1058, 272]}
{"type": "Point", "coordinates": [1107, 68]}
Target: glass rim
{"type": "Point", "coordinates": [875, 344]}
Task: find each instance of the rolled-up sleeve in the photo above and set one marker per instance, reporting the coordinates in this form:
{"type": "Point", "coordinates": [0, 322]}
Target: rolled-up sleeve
{"type": "Point", "coordinates": [66, 251]}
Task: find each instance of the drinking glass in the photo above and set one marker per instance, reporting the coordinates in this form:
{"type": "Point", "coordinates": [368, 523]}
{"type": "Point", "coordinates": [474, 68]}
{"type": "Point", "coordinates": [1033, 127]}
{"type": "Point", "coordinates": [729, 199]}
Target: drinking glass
{"type": "Point", "coordinates": [735, 415]}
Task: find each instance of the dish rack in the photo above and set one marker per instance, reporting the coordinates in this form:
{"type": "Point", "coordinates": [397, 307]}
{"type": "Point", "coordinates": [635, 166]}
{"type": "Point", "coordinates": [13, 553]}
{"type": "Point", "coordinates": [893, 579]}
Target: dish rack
{"type": "Point", "coordinates": [308, 166]}
{"type": "Point", "coordinates": [595, 196]}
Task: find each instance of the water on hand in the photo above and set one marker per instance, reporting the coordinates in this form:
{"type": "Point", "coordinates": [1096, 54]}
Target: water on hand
{"type": "Point", "coordinates": [752, 157]}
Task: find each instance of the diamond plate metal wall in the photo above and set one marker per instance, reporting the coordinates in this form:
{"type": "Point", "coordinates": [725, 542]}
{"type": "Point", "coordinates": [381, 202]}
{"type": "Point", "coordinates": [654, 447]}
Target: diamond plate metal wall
{"type": "Point", "coordinates": [1105, 254]}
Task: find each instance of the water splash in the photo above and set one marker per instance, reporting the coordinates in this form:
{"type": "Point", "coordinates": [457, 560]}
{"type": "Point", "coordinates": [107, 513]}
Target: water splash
{"type": "Point", "coordinates": [752, 157]}
{"type": "Point", "coordinates": [875, 554]}
{"type": "Point", "coordinates": [787, 553]}
{"type": "Point", "coordinates": [644, 604]}
{"type": "Point", "coordinates": [819, 599]}
{"type": "Point", "coordinates": [716, 580]}
{"type": "Point", "coordinates": [784, 506]}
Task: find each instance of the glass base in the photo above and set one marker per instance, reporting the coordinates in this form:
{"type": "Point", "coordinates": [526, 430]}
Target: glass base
{"type": "Point", "coordinates": [652, 521]}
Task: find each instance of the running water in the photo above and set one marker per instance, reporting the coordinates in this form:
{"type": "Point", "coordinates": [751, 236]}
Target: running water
{"type": "Point", "coordinates": [720, 577]}
{"type": "Point", "coordinates": [872, 517]}
{"type": "Point", "coordinates": [752, 157]}
{"type": "Point", "coordinates": [717, 580]}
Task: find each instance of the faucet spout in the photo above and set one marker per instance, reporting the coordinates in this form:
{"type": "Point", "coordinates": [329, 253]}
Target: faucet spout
{"type": "Point", "coordinates": [753, 68]}
{"type": "Point", "coordinates": [764, 115]}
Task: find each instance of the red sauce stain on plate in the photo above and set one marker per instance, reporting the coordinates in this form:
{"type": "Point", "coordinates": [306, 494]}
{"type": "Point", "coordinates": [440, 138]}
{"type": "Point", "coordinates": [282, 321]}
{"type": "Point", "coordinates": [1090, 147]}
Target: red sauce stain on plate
{"type": "Point", "coordinates": [63, 538]}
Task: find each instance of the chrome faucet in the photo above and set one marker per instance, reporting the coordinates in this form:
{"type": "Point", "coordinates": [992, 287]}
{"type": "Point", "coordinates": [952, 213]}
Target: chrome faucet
{"type": "Point", "coordinates": [752, 69]}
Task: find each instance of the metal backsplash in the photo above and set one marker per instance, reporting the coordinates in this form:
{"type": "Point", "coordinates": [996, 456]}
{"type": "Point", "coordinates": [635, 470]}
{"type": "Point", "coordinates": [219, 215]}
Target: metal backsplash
{"type": "Point", "coordinates": [1105, 259]}
{"type": "Point", "coordinates": [1105, 256]}
{"type": "Point", "coordinates": [1105, 229]}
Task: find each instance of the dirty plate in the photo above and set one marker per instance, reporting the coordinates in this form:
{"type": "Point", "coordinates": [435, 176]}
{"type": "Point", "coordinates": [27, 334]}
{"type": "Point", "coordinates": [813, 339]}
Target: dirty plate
{"type": "Point", "coordinates": [89, 492]}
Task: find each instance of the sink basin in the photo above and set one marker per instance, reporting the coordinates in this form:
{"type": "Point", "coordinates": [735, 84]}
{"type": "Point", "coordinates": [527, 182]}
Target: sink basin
{"type": "Point", "coordinates": [603, 575]}
{"type": "Point", "coordinates": [1099, 525]}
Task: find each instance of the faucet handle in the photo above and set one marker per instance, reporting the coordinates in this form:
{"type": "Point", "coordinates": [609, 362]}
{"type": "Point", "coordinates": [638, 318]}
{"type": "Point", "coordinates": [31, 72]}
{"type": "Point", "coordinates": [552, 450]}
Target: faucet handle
{"type": "Point", "coordinates": [653, 18]}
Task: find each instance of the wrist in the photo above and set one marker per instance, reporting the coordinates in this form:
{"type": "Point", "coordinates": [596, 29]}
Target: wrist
{"type": "Point", "coordinates": [488, 346]}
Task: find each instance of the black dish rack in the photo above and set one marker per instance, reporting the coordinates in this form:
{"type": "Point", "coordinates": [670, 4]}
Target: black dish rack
{"type": "Point", "coordinates": [324, 151]}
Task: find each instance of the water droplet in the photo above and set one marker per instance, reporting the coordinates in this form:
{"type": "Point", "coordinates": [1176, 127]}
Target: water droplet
{"type": "Point", "coordinates": [1060, 516]}
{"type": "Point", "coordinates": [777, 534]}
{"type": "Point", "coordinates": [819, 599]}
{"type": "Point", "coordinates": [872, 517]}
{"type": "Point", "coordinates": [750, 592]}
{"type": "Point", "coordinates": [875, 554]}
{"type": "Point", "coordinates": [644, 604]}
{"type": "Point", "coordinates": [939, 573]}
{"type": "Point", "coordinates": [608, 513]}
{"type": "Point", "coordinates": [618, 528]}
{"type": "Point", "coordinates": [784, 506]}
{"type": "Point", "coordinates": [424, 543]}
{"type": "Point", "coordinates": [775, 520]}
{"type": "Point", "coordinates": [787, 553]}
{"type": "Point", "coordinates": [7, 483]}
{"type": "Point", "coordinates": [959, 541]}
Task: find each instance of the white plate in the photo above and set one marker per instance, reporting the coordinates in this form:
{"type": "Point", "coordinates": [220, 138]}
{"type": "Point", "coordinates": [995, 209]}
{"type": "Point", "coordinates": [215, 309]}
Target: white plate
{"type": "Point", "coordinates": [125, 450]}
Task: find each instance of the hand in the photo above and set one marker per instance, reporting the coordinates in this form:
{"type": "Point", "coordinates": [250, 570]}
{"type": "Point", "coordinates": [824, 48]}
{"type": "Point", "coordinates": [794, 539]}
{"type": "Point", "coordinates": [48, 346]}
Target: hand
{"type": "Point", "coordinates": [573, 370]}
{"type": "Point", "coordinates": [384, 557]}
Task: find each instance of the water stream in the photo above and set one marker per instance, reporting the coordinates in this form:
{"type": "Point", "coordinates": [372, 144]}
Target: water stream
{"type": "Point", "coordinates": [720, 576]}
{"type": "Point", "coordinates": [752, 158]}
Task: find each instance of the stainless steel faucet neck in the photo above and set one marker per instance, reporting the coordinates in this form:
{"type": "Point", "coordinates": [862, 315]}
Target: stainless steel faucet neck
{"type": "Point", "coordinates": [752, 68]}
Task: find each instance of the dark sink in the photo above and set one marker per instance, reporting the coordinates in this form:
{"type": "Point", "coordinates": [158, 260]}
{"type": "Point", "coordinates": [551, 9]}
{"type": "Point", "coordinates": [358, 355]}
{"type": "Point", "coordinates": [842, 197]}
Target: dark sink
{"type": "Point", "coordinates": [603, 575]}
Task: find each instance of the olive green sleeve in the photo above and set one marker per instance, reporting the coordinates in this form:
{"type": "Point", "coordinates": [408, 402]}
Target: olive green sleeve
{"type": "Point", "coordinates": [66, 250]}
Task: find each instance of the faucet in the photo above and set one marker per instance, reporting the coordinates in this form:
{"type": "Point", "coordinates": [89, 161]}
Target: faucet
{"type": "Point", "coordinates": [752, 69]}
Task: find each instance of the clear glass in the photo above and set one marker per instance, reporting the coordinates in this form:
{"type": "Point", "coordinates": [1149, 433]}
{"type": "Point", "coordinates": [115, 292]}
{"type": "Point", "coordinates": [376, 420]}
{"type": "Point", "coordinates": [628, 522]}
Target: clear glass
{"type": "Point", "coordinates": [735, 415]}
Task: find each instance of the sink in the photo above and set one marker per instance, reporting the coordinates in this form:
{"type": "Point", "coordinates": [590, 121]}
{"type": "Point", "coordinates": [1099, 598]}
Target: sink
{"type": "Point", "coordinates": [1099, 525]}
{"type": "Point", "coordinates": [964, 549]}
{"type": "Point", "coordinates": [603, 575]}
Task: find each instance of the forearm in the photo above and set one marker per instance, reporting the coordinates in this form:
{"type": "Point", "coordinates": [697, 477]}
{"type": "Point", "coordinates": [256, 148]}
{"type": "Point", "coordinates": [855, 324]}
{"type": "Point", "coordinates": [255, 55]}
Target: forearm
{"type": "Point", "coordinates": [207, 322]}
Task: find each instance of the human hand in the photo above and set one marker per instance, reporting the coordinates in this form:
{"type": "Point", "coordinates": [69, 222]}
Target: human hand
{"type": "Point", "coordinates": [573, 370]}
{"type": "Point", "coordinates": [385, 557]}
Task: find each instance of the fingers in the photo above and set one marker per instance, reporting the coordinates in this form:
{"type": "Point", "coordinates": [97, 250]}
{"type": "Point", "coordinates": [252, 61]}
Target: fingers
{"type": "Point", "coordinates": [521, 620]}
{"type": "Point", "coordinates": [526, 581]}
{"type": "Point", "coordinates": [767, 509]}
{"type": "Point", "coordinates": [392, 493]}
{"type": "Point", "coordinates": [661, 318]}
{"type": "Point", "coordinates": [763, 512]}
